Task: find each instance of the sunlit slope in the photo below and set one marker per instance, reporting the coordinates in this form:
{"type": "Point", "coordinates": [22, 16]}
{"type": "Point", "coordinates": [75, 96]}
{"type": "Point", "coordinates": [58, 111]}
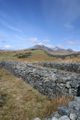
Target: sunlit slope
{"type": "Point", "coordinates": [37, 55]}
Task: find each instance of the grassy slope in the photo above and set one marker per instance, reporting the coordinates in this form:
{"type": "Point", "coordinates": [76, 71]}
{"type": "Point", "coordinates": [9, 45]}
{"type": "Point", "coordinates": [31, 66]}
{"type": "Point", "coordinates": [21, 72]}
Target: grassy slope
{"type": "Point", "coordinates": [19, 101]}
{"type": "Point", "coordinates": [36, 55]}
{"type": "Point", "coordinates": [6, 55]}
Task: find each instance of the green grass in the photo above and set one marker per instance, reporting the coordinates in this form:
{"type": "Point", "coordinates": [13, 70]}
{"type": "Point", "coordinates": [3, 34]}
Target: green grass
{"type": "Point", "coordinates": [40, 52]}
{"type": "Point", "coordinates": [33, 56]}
{"type": "Point", "coordinates": [7, 56]}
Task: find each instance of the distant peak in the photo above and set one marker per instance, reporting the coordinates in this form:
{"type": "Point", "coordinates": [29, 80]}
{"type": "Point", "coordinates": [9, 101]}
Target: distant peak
{"type": "Point", "coordinates": [42, 47]}
{"type": "Point", "coordinates": [57, 48]}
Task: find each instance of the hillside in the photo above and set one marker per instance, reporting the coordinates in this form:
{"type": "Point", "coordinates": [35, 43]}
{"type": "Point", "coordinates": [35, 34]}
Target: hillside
{"type": "Point", "coordinates": [40, 53]}
{"type": "Point", "coordinates": [35, 82]}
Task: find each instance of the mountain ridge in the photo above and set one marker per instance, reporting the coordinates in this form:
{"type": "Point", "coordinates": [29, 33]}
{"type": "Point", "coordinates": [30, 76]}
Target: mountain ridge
{"type": "Point", "coordinates": [54, 49]}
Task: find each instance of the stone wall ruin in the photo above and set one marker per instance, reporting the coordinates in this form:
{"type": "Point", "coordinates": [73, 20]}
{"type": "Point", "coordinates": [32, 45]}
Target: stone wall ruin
{"type": "Point", "coordinates": [50, 81]}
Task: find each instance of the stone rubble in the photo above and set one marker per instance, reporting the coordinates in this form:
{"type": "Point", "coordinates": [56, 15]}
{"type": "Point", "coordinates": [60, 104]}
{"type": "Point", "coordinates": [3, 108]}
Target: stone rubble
{"type": "Point", "coordinates": [66, 113]}
{"type": "Point", "coordinates": [72, 67]}
{"type": "Point", "coordinates": [51, 81]}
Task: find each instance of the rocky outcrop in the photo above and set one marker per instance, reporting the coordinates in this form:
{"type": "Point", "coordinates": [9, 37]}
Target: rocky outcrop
{"type": "Point", "coordinates": [48, 81]}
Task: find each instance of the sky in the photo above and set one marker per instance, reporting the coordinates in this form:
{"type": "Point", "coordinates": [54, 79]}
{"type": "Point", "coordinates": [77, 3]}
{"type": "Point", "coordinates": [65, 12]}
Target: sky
{"type": "Point", "coordinates": [25, 23]}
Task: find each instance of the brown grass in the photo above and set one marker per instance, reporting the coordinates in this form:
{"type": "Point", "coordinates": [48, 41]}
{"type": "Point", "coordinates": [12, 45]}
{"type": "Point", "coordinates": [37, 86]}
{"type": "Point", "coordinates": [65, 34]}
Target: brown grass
{"type": "Point", "coordinates": [36, 55]}
{"type": "Point", "coordinates": [58, 101]}
{"type": "Point", "coordinates": [22, 102]}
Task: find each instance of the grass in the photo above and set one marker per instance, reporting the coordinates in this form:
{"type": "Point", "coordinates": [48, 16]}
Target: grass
{"type": "Point", "coordinates": [57, 102]}
{"type": "Point", "coordinates": [22, 102]}
{"type": "Point", "coordinates": [19, 101]}
{"type": "Point", "coordinates": [7, 55]}
{"type": "Point", "coordinates": [35, 56]}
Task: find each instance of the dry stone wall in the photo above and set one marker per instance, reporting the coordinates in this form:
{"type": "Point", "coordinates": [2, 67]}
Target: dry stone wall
{"type": "Point", "coordinates": [72, 67]}
{"type": "Point", "coordinates": [47, 80]}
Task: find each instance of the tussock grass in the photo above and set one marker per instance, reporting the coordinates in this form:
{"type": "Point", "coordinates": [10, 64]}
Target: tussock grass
{"type": "Point", "coordinates": [57, 102]}
{"type": "Point", "coordinates": [19, 101]}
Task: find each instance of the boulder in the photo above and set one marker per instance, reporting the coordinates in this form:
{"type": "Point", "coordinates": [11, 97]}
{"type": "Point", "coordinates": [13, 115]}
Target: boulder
{"type": "Point", "coordinates": [63, 110]}
{"type": "Point", "coordinates": [64, 118]}
{"type": "Point", "coordinates": [73, 116]}
{"type": "Point", "coordinates": [54, 118]}
{"type": "Point", "coordinates": [36, 118]}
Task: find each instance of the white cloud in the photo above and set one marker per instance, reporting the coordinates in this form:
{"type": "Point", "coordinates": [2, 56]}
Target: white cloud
{"type": "Point", "coordinates": [73, 42]}
{"type": "Point", "coordinates": [4, 22]}
{"type": "Point", "coordinates": [36, 41]}
{"type": "Point", "coordinates": [13, 28]}
{"type": "Point", "coordinates": [7, 47]}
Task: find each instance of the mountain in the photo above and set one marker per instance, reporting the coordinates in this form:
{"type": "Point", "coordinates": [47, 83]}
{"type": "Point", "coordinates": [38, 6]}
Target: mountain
{"type": "Point", "coordinates": [55, 49]}
{"type": "Point", "coordinates": [42, 47]}
{"type": "Point", "coordinates": [62, 49]}
{"type": "Point", "coordinates": [70, 50]}
{"type": "Point", "coordinates": [58, 49]}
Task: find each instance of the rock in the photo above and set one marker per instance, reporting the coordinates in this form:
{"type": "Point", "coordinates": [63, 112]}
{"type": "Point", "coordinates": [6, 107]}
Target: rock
{"type": "Point", "coordinates": [73, 105]}
{"type": "Point", "coordinates": [78, 118]}
{"type": "Point", "coordinates": [56, 114]}
{"type": "Point", "coordinates": [51, 82]}
{"type": "Point", "coordinates": [63, 110]}
{"type": "Point", "coordinates": [70, 91]}
{"type": "Point", "coordinates": [54, 118]}
{"type": "Point", "coordinates": [68, 84]}
{"type": "Point", "coordinates": [77, 99]}
{"type": "Point", "coordinates": [36, 118]}
{"type": "Point", "coordinates": [47, 81]}
{"type": "Point", "coordinates": [73, 116]}
{"type": "Point", "coordinates": [73, 84]}
{"type": "Point", "coordinates": [64, 118]}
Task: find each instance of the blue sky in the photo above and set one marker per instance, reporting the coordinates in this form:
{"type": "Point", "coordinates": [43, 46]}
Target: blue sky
{"type": "Point", "coordinates": [24, 23]}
